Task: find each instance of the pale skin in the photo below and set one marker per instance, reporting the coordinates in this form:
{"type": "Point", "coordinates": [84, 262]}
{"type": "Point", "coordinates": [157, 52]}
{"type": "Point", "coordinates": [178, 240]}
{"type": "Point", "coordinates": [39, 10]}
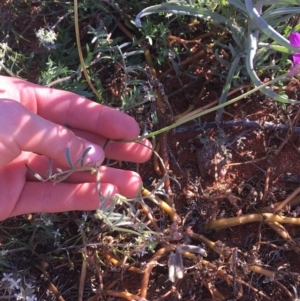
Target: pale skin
{"type": "Point", "coordinates": [37, 123]}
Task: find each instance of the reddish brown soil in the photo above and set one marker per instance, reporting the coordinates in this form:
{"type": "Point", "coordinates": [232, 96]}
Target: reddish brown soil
{"type": "Point", "coordinates": [241, 191]}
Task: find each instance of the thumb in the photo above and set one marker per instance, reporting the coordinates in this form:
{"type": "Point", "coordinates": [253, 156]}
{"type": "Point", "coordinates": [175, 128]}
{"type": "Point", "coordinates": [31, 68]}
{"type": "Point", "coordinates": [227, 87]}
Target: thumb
{"type": "Point", "coordinates": [22, 130]}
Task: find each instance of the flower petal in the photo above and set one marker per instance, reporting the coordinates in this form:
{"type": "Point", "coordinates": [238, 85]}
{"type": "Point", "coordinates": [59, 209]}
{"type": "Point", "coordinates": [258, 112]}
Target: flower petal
{"type": "Point", "coordinates": [294, 71]}
{"type": "Point", "coordinates": [295, 39]}
{"type": "Point", "coordinates": [296, 58]}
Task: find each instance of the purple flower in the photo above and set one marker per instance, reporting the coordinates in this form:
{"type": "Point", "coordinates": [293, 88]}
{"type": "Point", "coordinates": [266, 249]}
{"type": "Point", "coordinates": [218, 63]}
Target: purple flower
{"type": "Point", "coordinates": [295, 42]}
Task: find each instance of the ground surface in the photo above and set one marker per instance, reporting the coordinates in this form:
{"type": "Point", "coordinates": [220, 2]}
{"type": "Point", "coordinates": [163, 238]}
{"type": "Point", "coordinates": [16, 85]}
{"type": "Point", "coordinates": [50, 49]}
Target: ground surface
{"type": "Point", "coordinates": [242, 190]}
{"type": "Point", "coordinates": [223, 171]}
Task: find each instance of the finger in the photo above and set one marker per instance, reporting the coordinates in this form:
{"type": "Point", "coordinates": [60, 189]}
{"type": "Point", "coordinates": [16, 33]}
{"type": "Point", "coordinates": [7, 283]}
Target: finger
{"type": "Point", "coordinates": [12, 179]}
{"type": "Point", "coordinates": [22, 130]}
{"type": "Point", "coordinates": [127, 182]}
{"type": "Point", "coordinates": [138, 152]}
{"type": "Point", "coordinates": [78, 112]}
{"type": "Point", "coordinates": [46, 197]}
{"type": "Point", "coordinates": [67, 108]}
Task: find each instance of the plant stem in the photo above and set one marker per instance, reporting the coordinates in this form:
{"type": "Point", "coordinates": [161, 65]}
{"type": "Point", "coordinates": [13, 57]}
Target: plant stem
{"type": "Point", "coordinates": [82, 63]}
{"type": "Point", "coordinates": [202, 113]}
{"type": "Point", "coordinates": [250, 218]}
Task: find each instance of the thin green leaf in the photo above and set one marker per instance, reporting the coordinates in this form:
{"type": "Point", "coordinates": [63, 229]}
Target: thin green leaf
{"type": "Point", "coordinates": [35, 174]}
{"type": "Point", "coordinates": [83, 156]}
{"type": "Point", "coordinates": [68, 157]}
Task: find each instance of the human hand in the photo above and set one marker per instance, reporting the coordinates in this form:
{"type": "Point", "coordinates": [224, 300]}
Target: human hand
{"type": "Point", "coordinates": [33, 122]}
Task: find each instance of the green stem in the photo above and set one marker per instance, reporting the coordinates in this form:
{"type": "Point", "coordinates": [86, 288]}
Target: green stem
{"type": "Point", "coordinates": [82, 63]}
{"type": "Point", "coordinates": [176, 124]}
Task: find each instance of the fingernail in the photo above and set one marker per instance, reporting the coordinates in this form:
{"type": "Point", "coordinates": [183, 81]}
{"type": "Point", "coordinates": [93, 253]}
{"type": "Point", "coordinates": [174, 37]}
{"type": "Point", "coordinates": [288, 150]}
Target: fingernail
{"type": "Point", "coordinates": [95, 154]}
